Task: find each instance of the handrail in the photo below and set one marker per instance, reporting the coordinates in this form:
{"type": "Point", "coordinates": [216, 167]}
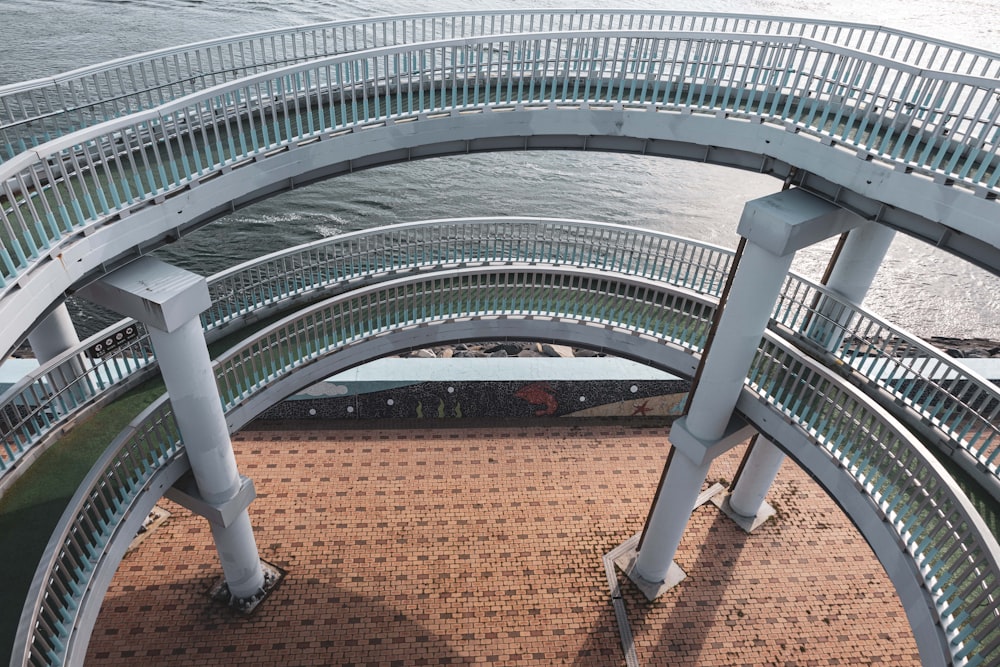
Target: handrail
{"type": "Point", "coordinates": [934, 522]}
{"type": "Point", "coordinates": [941, 127]}
{"type": "Point", "coordinates": [957, 558]}
{"type": "Point", "coordinates": [957, 406]}
{"type": "Point", "coordinates": [44, 401]}
{"type": "Point", "coordinates": [72, 100]}
{"type": "Point", "coordinates": [431, 244]}
{"type": "Point", "coordinates": [83, 538]}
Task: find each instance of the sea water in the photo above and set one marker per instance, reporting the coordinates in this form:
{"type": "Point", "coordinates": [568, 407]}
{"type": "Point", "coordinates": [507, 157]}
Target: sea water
{"type": "Point", "coordinates": [918, 287]}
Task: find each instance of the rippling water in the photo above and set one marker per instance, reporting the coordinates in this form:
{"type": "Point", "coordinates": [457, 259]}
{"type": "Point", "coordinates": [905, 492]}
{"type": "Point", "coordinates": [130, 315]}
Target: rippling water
{"type": "Point", "coordinates": [919, 287]}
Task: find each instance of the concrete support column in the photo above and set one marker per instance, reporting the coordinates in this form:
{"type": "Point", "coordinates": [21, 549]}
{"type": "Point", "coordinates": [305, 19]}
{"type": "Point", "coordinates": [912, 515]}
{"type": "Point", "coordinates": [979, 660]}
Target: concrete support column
{"type": "Point", "coordinates": [774, 227]}
{"type": "Point", "coordinates": [859, 260]}
{"type": "Point", "coordinates": [668, 518]}
{"type": "Point", "coordinates": [746, 312]}
{"type": "Point", "coordinates": [194, 397]}
{"type": "Point", "coordinates": [168, 301]}
{"type": "Point", "coordinates": [758, 472]}
{"type": "Point", "coordinates": [744, 317]}
{"type": "Point", "coordinates": [851, 276]}
{"type": "Point", "coordinates": [53, 335]}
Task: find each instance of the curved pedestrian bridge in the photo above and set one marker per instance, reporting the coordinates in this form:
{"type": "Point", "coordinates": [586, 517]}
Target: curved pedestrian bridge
{"type": "Point", "coordinates": [898, 128]}
{"type": "Point", "coordinates": [486, 274]}
{"type": "Point", "coordinates": [868, 125]}
{"type": "Point", "coordinates": [931, 393]}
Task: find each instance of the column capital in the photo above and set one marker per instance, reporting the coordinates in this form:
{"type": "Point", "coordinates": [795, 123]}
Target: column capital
{"type": "Point", "coordinates": [790, 220]}
{"type": "Point", "coordinates": [157, 294]}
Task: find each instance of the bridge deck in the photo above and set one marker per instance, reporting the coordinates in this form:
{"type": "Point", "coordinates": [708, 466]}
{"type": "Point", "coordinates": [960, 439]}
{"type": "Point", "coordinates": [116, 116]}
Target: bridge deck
{"type": "Point", "coordinates": [908, 142]}
{"type": "Point", "coordinates": [938, 551]}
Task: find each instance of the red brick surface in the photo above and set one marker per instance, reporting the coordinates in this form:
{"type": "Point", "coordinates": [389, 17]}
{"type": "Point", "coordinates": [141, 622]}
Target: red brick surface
{"type": "Point", "coordinates": [483, 544]}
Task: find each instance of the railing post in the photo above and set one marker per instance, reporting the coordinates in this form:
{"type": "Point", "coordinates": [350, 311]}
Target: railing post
{"type": "Point", "coordinates": [168, 300]}
{"type": "Point", "coordinates": [774, 227]}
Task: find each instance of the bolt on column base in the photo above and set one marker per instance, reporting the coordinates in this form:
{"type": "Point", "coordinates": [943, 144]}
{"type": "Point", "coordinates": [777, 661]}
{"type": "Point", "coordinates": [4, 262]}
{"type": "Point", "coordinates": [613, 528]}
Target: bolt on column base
{"type": "Point", "coordinates": [273, 575]}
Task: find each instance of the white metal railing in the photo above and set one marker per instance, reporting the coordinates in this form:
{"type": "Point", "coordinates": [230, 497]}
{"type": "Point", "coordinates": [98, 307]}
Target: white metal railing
{"type": "Point", "coordinates": [434, 244]}
{"type": "Point", "coordinates": [45, 401]}
{"type": "Point", "coordinates": [41, 404]}
{"type": "Point", "coordinates": [36, 111]}
{"type": "Point", "coordinates": [926, 122]}
{"type": "Point", "coordinates": [958, 408]}
{"type": "Point", "coordinates": [85, 535]}
{"type": "Point", "coordinates": [933, 522]}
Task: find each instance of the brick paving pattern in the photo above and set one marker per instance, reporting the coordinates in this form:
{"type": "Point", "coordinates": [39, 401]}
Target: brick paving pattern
{"type": "Point", "coordinates": [483, 544]}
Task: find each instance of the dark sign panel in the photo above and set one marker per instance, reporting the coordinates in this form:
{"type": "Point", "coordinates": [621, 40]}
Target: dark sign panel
{"type": "Point", "coordinates": [114, 342]}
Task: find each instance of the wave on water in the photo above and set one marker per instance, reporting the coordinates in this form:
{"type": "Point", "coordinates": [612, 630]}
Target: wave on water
{"type": "Point", "coordinates": [919, 287]}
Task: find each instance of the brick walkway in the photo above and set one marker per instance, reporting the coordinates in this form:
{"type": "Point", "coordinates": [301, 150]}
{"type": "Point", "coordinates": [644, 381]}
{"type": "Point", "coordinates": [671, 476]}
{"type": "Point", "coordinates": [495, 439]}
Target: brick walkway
{"type": "Point", "coordinates": [427, 546]}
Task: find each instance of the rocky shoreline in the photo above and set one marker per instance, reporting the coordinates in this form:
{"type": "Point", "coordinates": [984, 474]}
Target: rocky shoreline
{"type": "Point", "coordinates": [959, 348]}
{"type": "Point", "coordinates": [967, 348]}
{"type": "Point", "coordinates": [500, 350]}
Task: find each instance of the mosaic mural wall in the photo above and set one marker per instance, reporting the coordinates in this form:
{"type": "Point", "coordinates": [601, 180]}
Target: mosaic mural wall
{"type": "Point", "coordinates": [489, 399]}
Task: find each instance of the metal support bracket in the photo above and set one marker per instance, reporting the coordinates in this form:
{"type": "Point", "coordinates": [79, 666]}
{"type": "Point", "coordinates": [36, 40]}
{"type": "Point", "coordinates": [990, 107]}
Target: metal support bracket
{"type": "Point", "coordinates": [698, 450]}
{"type": "Point", "coordinates": [185, 493]}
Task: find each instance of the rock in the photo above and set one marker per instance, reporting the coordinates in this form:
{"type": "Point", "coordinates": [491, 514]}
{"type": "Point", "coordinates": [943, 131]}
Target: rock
{"type": "Point", "coordinates": [511, 349]}
{"type": "Point", "coordinates": [966, 347]}
{"type": "Point", "coordinates": [553, 350]}
{"type": "Point", "coordinates": [955, 347]}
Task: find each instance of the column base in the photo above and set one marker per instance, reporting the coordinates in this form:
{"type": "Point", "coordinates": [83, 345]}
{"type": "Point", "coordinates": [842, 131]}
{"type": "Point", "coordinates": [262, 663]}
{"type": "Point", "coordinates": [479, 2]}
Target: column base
{"type": "Point", "coordinates": [625, 561]}
{"type": "Point", "coordinates": [747, 523]}
{"type": "Point", "coordinates": [273, 575]}
{"type": "Point", "coordinates": [626, 553]}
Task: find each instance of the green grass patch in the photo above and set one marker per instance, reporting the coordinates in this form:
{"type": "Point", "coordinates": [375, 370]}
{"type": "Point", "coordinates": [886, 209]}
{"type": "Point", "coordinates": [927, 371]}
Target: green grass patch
{"type": "Point", "coordinates": [30, 510]}
{"type": "Point", "coordinates": [32, 507]}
